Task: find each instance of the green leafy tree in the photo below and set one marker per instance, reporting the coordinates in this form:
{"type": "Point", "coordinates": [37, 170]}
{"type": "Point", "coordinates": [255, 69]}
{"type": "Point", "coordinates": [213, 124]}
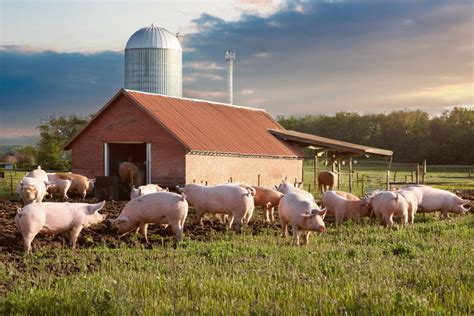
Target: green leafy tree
{"type": "Point", "coordinates": [26, 157]}
{"type": "Point", "coordinates": [412, 135]}
{"type": "Point", "coordinates": [54, 134]}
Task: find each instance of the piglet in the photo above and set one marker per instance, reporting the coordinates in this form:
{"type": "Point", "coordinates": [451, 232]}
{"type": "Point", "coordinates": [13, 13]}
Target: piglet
{"type": "Point", "coordinates": [52, 218]}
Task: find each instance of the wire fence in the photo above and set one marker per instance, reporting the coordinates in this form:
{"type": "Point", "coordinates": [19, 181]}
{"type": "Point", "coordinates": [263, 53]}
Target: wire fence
{"type": "Point", "coordinates": [366, 176]}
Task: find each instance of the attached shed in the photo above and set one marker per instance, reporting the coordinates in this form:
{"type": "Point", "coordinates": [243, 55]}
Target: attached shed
{"type": "Point", "coordinates": [180, 140]}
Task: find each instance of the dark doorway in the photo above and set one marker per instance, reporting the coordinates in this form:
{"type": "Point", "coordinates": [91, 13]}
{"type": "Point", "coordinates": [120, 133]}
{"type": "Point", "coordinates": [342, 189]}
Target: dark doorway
{"type": "Point", "coordinates": [135, 153]}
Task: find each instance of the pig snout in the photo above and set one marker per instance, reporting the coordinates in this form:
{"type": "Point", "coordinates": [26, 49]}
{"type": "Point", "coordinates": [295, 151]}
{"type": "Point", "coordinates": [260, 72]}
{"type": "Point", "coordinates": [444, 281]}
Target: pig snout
{"type": "Point", "coordinates": [321, 229]}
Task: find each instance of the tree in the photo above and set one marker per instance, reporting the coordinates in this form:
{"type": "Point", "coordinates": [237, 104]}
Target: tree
{"type": "Point", "coordinates": [54, 134]}
{"type": "Point", "coordinates": [26, 157]}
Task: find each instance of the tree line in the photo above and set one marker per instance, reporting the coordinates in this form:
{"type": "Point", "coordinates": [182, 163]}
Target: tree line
{"type": "Point", "coordinates": [411, 135]}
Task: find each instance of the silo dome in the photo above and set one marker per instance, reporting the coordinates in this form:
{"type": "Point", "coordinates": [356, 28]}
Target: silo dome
{"type": "Point", "coordinates": [153, 62]}
{"type": "Point", "coordinates": [153, 37]}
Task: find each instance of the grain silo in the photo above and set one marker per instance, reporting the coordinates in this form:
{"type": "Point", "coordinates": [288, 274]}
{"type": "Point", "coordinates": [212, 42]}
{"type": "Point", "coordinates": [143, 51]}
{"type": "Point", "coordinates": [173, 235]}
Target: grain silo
{"type": "Point", "coordinates": [153, 62]}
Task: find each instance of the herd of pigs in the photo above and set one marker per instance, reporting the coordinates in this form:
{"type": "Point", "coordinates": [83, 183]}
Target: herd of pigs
{"type": "Point", "coordinates": [233, 204]}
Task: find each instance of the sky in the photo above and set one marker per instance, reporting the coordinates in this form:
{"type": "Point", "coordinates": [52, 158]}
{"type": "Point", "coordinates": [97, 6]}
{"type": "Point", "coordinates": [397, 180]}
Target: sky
{"type": "Point", "coordinates": [292, 57]}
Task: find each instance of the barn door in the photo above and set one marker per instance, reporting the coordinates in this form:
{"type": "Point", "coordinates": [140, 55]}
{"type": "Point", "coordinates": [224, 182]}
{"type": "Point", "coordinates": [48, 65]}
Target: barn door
{"type": "Point", "coordinates": [148, 163]}
{"type": "Point", "coordinates": [106, 160]}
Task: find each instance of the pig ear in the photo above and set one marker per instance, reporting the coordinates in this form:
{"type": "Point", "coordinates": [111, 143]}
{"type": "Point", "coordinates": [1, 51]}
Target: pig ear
{"type": "Point", "coordinates": [96, 207]}
{"type": "Point", "coordinates": [322, 212]}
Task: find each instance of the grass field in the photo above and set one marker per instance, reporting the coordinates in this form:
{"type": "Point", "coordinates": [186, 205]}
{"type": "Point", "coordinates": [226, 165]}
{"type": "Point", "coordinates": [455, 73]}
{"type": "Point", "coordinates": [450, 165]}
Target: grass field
{"type": "Point", "coordinates": [427, 268]}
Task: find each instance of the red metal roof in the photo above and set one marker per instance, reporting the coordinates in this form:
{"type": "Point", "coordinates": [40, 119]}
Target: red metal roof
{"type": "Point", "coordinates": [215, 127]}
{"type": "Point", "coordinates": [205, 126]}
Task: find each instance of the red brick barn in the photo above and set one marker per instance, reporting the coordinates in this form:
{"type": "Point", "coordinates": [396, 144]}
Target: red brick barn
{"type": "Point", "coordinates": [182, 140]}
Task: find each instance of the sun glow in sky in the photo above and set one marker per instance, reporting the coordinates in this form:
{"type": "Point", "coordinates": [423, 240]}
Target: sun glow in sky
{"type": "Point", "coordinates": [293, 58]}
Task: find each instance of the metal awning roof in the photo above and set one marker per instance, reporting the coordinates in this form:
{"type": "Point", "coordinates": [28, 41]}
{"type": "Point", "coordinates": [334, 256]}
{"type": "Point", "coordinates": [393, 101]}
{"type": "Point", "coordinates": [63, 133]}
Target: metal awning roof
{"type": "Point", "coordinates": [343, 149]}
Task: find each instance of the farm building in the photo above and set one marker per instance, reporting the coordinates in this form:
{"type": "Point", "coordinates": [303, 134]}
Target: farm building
{"type": "Point", "coordinates": [177, 140]}
{"type": "Point", "coordinates": [181, 140]}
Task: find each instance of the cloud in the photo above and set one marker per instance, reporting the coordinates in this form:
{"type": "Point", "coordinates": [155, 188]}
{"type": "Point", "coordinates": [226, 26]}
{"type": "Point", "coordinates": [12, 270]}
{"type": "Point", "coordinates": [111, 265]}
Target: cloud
{"type": "Point", "coordinates": [327, 56]}
{"type": "Point", "coordinates": [37, 84]}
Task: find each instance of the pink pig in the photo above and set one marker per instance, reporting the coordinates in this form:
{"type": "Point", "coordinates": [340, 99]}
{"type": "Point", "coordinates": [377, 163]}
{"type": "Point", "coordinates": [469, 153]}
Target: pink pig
{"type": "Point", "coordinates": [52, 218]}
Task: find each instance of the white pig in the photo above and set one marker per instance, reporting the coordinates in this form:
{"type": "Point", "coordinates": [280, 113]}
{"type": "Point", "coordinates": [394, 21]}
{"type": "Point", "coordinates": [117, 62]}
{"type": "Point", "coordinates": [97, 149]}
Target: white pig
{"type": "Point", "coordinates": [61, 186]}
{"type": "Point", "coordinates": [154, 208]}
{"type": "Point", "coordinates": [287, 187]}
{"type": "Point", "coordinates": [387, 204]}
{"type": "Point", "coordinates": [432, 199]}
{"type": "Point", "coordinates": [412, 201]}
{"type": "Point", "coordinates": [33, 190]}
{"type": "Point", "coordinates": [38, 173]}
{"type": "Point", "coordinates": [51, 218]}
{"type": "Point", "coordinates": [342, 208]}
{"type": "Point", "coordinates": [235, 200]}
{"type": "Point", "coordinates": [302, 214]}
{"type": "Point", "coordinates": [145, 189]}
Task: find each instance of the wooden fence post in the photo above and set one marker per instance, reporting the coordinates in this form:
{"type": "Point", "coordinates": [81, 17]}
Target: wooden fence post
{"type": "Point", "coordinates": [350, 175]}
{"type": "Point", "coordinates": [412, 177]}
{"type": "Point", "coordinates": [339, 175]}
{"type": "Point", "coordinates": [417, 173]}
{"type": "Point", "coordinates": [394, 176]}
{"type": "Point", "coordinates": [357, 179]}
{"type": "Point", "coordinates": [388, 180]}
{"type": "Point", "coordinates": [363, 185]}
{"type": "Point", "coordinates": [258, 180]}
{"type": "Point", "coordinates": [315, 170]}
{"type": "Point", "coordinates": [424, 172]}
{"type": "Point", "coordinates": [309, 187]}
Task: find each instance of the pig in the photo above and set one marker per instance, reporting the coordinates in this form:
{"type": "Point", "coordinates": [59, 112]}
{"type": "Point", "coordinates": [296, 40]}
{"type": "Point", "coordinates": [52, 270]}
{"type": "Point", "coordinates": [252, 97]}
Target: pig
{"type": "Point", "coordinates": [145, 189]}
{"type": "Point", "coordinates": [342, 208]}
{"type": "Point", "coordinates": [347, 195]}
{"type": "Point", "coordinates": [387, 204]}
{"type": "Point", "coordinates": [432, 199]}
{"type": "Point", "coordinates": [130, 174]}
{"type": "Point", "coordinates": [79, 183]}
{"type": "Point", "coordinates": [302, 214]}
{"type": "Point", "coordinates": [60, 186]}
{"type": "Point", "coordinates": [412, 201]}
{"type": "Point", "coordinates": [286, 187]}
{"type": "Point", "coordinates": [38, 173]}
{"type": "Point", "coordinates": [231, 199]}
{"type": "Point", "coordinates": [33, 190]}
{"type": "Point", "coordinates": [154, 208]}
{"type": "Point", "coordinates": [267, 199]}
{"type": "Point", "coordinates": [326, 179]}
{"type": "Point", "coordinates": [54, 218]}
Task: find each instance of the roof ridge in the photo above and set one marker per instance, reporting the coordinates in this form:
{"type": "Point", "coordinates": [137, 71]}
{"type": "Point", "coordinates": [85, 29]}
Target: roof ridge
{"type": "Point", "coordinates": [199, 100]}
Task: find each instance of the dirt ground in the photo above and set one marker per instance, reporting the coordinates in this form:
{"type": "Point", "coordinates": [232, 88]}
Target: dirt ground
{"type": "Point", "coordinates": [11, 244]}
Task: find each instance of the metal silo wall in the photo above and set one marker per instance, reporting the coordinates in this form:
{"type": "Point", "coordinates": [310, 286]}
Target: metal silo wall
{"type": "Point", "coordinates": [154, 70]}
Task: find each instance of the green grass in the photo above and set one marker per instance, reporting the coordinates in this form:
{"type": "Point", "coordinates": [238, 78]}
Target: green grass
{"type": "Point", "coordinates": [358, 269]}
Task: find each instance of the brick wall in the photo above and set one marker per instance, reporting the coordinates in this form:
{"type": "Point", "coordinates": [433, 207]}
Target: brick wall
{"type": "Point", "coordinates": [123, 121]}
{"type": "Point", "coordinates": [218, 169]}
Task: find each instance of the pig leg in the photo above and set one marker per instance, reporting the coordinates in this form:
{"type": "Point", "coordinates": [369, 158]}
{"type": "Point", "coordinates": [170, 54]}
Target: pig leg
{"type": "Point", "coordinates": [199, 215]}
{"type": "Point", "coordinates": [27, 242]}
{"type": "Point", "coordinates": [178, 233]}
{"type": "Point", "coordinates": [339, 218]}
{"type": "Point", "coordinates": [404, 219]}
{"type": "Point", "coordinates": [74, 234]}
{"type": "Point", "coordinates": [231, 221]}
{"type": "Point", "coordinates": [306, 237]}
{"type": "Point", "coordinates": [272, 215]}
{"type": "Point", "coordinates": [266, 210]}
{"type": "Point", "coordinates": [388, 220]}
{"type": "Point", "coordinates": [144, 229]}
{"type": "Point", "coordinates": [238, 224]}
{"type": "Point", "coordinates": [284, 226]}
{"type": "Point", "coordinates": [296, 237]}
